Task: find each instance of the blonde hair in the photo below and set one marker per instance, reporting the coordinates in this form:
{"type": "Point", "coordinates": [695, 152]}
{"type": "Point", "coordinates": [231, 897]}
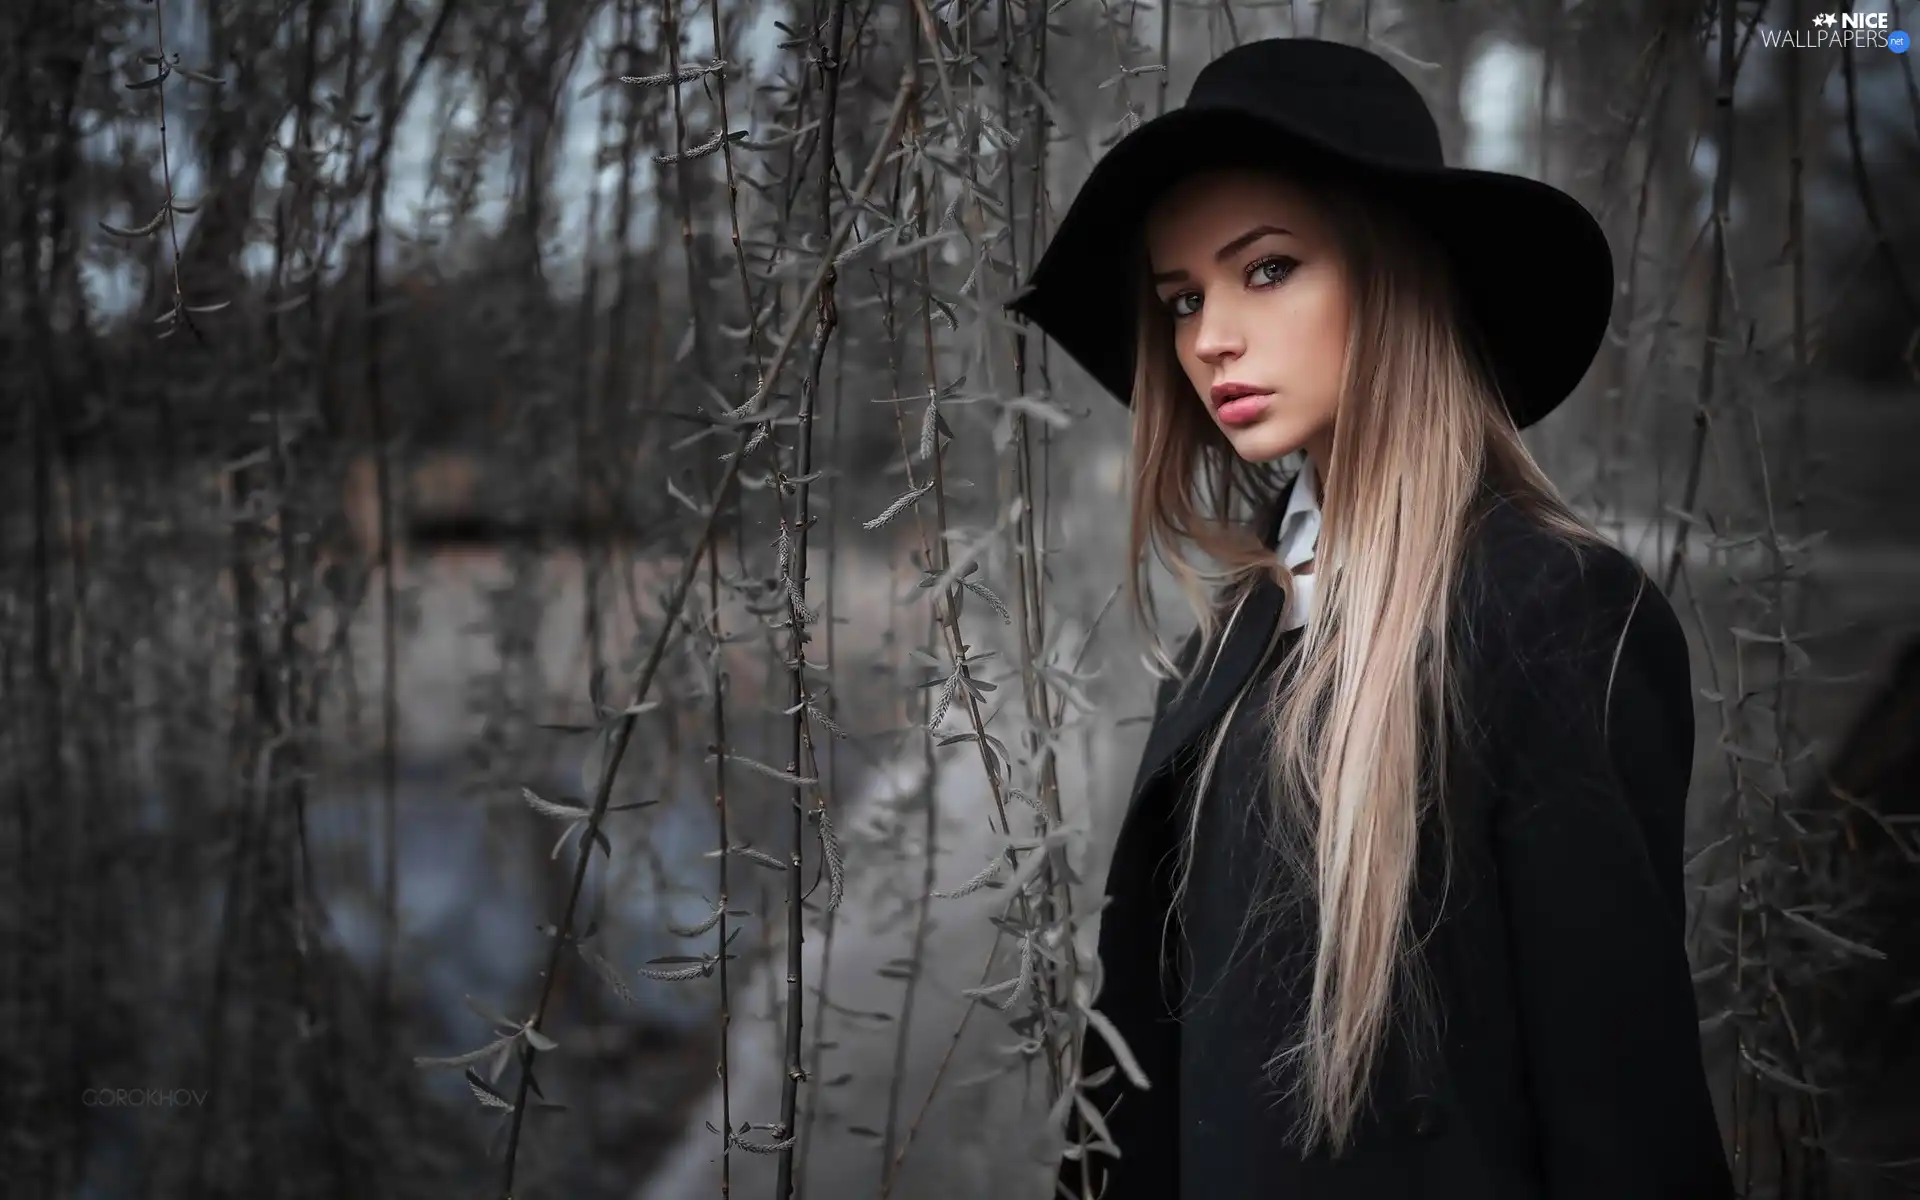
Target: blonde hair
{"type": "Point", "coordinates": [1353, 756]}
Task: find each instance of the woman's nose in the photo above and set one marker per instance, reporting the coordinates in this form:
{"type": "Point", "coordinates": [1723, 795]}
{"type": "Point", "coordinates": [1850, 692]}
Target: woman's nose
{"type": "Point", "coordinates": [1219, 337]}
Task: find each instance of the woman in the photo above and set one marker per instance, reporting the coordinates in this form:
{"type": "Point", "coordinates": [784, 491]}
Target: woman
{"type": "Point", "coordinates": [1396, 909]}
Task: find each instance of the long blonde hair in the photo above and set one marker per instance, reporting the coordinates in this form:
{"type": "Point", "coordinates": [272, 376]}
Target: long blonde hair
{"type": "Point", "coordinates": [1352, 755]}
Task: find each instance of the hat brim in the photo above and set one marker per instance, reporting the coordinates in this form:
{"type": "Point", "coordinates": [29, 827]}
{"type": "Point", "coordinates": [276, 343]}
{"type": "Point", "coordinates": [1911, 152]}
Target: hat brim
{"type": "Point", "coordinates": [1534, 268]}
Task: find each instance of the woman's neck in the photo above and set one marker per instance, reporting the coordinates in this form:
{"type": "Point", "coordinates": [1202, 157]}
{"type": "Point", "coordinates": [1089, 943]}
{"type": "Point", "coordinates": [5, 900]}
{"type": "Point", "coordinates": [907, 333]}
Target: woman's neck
{"type": "Point", "coordinates": [1320, 452]}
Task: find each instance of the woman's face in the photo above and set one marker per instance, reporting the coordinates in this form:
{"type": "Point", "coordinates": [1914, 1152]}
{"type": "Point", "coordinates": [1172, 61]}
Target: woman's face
{"type": "Point", "coordinates": [1248, 273]}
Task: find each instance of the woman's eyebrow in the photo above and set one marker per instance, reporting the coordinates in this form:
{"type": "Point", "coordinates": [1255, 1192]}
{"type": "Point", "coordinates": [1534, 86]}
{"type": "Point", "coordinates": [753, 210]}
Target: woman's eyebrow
{"type": "Point", "coordinates": [1227, 251]}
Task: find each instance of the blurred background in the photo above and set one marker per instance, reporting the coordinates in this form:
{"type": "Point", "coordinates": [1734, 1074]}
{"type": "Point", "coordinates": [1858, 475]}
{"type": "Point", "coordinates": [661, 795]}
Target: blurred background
{"type": "Point", "coordinates": [424, 425]}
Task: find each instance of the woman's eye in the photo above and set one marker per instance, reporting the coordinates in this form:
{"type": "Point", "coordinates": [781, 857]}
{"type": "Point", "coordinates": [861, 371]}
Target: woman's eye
{"type": "Point", "coordinates": [1272, 270]}
{"type": "Point", "coordinates": [1267, 271]}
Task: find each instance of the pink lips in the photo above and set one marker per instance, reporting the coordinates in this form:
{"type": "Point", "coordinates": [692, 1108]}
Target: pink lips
{"type": "Point", "coordinates": [1237, 404]}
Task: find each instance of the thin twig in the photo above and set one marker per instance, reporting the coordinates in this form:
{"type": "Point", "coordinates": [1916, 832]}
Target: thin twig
{"type": "Point", "coordinates": [827, 319]}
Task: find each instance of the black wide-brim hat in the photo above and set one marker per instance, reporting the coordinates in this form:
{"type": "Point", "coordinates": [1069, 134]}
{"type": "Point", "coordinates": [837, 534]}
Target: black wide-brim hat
{"type": "Point", "coordinates": [1532, 266]}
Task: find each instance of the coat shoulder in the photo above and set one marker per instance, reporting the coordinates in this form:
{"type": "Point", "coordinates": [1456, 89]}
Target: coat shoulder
{"type": "Point", "coordinates": [1532, 591]}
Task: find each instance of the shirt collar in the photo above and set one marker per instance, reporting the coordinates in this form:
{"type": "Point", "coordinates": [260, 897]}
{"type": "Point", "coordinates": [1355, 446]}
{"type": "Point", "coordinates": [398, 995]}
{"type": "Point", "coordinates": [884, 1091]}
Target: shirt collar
{"type": "Point", "coordinates": [1300, 524]}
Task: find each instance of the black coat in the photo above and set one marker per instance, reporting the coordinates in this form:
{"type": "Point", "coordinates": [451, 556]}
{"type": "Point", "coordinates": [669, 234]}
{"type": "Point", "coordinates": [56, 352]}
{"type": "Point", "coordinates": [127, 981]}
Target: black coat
{"type": "Point", "coordinates": [1568, 1063]}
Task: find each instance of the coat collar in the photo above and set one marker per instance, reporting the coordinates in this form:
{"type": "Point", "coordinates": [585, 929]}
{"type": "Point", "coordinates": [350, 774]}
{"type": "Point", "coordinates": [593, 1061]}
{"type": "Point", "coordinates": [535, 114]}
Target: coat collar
{"type": "Point", "coordinates": [1220, 676]}
{"type": "Point", "coordinates": [1193, 710]}
{"type": "Point", "coordinates": [1208, 695]}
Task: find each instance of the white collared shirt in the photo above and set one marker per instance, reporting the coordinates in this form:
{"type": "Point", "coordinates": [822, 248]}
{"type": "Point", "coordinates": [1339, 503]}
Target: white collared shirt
{"type": "Point", "coordinates": [1299, 533]}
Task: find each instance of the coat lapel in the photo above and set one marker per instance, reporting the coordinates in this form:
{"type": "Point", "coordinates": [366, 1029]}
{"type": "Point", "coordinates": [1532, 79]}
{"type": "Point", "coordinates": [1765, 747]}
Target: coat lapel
{"type": "Point", "coordinates": [1187, 715]}
{"type": "Point", "coordinates": [1209, 694]}
{"type": "Point", "coordinates": [1218, 677]}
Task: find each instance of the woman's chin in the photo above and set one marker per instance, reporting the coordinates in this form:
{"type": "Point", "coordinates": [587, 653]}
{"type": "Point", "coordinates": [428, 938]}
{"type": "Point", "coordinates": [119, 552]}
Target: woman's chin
{"type": "Point", "coordinates": [1263, 441]}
